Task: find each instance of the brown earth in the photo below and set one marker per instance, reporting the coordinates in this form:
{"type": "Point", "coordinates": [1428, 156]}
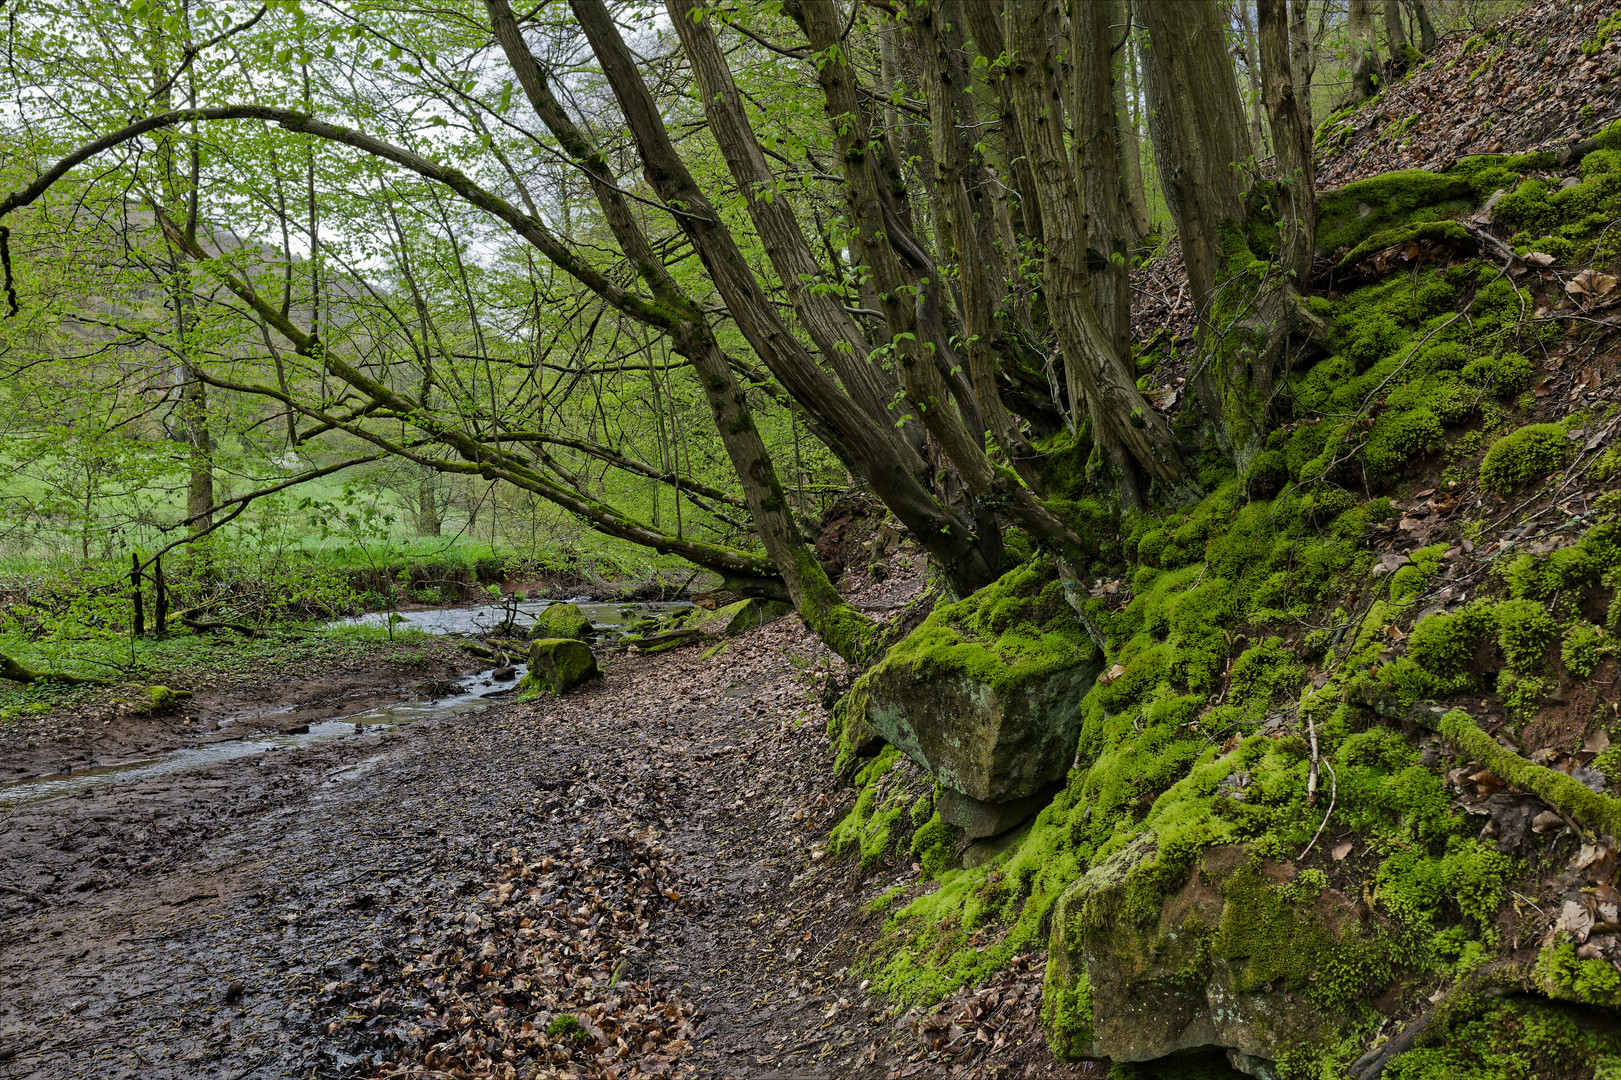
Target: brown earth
{"type": "Point", "coordinates": [644, 855]}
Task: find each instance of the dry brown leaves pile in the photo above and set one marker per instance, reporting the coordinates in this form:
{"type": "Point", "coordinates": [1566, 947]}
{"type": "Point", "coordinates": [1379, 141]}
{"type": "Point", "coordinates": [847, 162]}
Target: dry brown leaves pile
{"type": "Point", "coordinates": [1527, 86]}
{"type": "Point", "coordinates": [529, 982]}
{"type": "Point", "coordinates": [975, 1025]}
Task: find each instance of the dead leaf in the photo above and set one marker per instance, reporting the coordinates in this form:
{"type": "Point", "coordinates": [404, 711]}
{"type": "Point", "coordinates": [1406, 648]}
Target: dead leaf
{"type": "Point", "coordinates": [1539, 258]}
{"type": "Point", "coordinates": [1112, 674]}
{"type": "Point", "coordinates": [1341, 850]}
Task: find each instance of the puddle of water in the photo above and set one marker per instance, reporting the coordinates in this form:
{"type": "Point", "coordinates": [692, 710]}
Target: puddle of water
{"type": "Point", "coordinates": [471, 693]}
{"type": "Point", "coordinates": [471, 690]}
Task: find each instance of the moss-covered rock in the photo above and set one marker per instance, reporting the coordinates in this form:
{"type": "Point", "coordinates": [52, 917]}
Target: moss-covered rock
{"type": "Point", "coordinates": [559, 665]}
{"type": "Point", "coordinates": [985, 693]}
{"type": "Point", "coordinates": [561, 621]}
{"type": "Point", "coordinates": [738, 617]}
{"type": "Point", "coordinates": [1246, 954]}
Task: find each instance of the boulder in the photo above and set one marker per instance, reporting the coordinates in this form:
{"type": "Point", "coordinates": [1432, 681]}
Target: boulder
{"type": "Point", "coordinates": [561, 621]}
{"type": "Point", "coordinates": [1240, 952]}
{"type": "Point", "coordinates": [559, 665]}
{"type": "Point", "coordinates": [735, 618]}
{"type": "Point", "coordinates": [986, 694]}
{"type": "Point", "coordinates": [978, 819]}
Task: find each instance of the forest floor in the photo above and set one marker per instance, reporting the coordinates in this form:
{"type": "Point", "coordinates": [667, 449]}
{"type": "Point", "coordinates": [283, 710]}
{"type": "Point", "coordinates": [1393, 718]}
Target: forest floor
{"type": "Point", "coordinates": [643, 855]}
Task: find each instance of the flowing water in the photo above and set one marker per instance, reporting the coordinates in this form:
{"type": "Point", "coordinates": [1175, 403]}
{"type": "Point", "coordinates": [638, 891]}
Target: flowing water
{"type": "Point", "coordinates": [469, 692]}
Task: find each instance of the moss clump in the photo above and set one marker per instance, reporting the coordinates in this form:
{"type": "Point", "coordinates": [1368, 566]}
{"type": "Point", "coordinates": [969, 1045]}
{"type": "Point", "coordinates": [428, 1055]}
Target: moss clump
{"type": "Point", "coordinates": [1531, 453]}
{"type": "Point", "coordinates": [1559, 974]}
{"type": "Point", "coordinates": [567, 1026]}
{"type": "Point", "coordinates": [935, 846]}
{"type": "Point", "coordinates": [1017, 630]}
{"type": "Point", "coordinates": [887, 787]}
{"type": "Point", "coordinates": [561, 621]}
{"type": "Point", "coordinates": [1512, 1039]}
{"type": "Point", "coordinates": [1584, 645]}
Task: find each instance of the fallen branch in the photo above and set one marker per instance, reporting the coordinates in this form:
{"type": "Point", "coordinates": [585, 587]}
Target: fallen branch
{"type": "Point", "coordinates": [15, 672]}
{"type": "Point", "coordinates": [206, 627]}
{"type": "Point", "coordinates": [1496, 979]}
{"type": "Point", "coordinates": [1588, 808]}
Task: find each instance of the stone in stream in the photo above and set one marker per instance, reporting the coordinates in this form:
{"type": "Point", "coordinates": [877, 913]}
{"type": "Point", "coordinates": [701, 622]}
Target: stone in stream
{"type": "Point", "coordinates": [561, 621]}
{"type": "Point", "coordinates": [559, 665]}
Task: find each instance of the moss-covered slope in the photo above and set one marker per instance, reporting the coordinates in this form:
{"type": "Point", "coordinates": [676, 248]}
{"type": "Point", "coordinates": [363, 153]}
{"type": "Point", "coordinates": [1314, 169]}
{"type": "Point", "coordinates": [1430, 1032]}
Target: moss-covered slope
{"type": "Point", "coordinates": [1352, 746]}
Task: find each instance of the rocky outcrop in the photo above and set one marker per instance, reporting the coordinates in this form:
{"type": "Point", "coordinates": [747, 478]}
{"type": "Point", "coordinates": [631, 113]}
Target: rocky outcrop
{"type": "Point", "coordinates": [561, 621]}
{"type": "Point", "coordinates": [1247, 955]}
{"type": "Point", "coordinates": [559, 665]}
{"type": "Point", "coordinates": [986, 694]}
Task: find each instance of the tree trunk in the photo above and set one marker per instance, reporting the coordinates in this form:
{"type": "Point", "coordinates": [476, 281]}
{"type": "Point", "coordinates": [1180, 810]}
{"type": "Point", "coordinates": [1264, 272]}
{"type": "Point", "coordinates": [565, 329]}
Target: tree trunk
{"type": "Point", "coordinates": [191, 393]}
{"type": "Point", "coordinates": [1252, 72]}
{"type": "Point", "coordinates": [1426, 28]}
{"type": "Point", "coordinates": [1396, 33]}
{"type": "Point", "coordinates": [1364, 50]}
{"type": "Point", "coordinates": [1124, 424]}
{"type": "Point", "coordinates": [1128, 148]}
{"type": "Point", "coordinates": [429, 523]}
{"type": "Point", "coordinates": [1302, 56]}
{"type": "Point", "coordinates": [938, 25]}
{"type": "Point", "coordinates": [909, 291]}
{"type": "Point", "coordinates": [1200, 141]}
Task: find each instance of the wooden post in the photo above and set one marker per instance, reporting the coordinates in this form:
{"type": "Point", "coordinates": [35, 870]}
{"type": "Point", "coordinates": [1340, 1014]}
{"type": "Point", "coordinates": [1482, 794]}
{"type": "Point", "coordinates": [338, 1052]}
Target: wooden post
{"type": "Point", "coordinates": [161, 601]}
{"type": "Point", "coordinates": [139, 625]}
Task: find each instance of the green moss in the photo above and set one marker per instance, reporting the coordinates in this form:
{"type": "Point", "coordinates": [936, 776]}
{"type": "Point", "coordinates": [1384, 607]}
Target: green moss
{"type": "Point", "coordinates": [558, 665]}
{"type": "Point", "coordinates": [935, 846]}
{"type": "Point", "coordinates": [1583, 646]}
{"type": "Point", "coordinates": [886, 789]}
{"type": "Point", "coordinates": [566, 1026]}
{"type": "Point", "coordinates": [561, 621]}
{"type": "Point", "coordinates": [1014, 631]}
{"type": "Point", "coordinates": [1531, 453]}
{"type": "Point", "coordinates": [1347, 217]}
{"type": "Point", "coordinates": [1559, 974]}
{"type": "Point", "coordinates": [1594, 811]}
{"type": "Point", "coordinates": [1516, 1038]}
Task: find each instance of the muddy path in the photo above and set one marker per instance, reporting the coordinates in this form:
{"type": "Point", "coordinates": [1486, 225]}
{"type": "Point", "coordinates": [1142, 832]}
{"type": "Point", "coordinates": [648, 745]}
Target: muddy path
{"type": "Point", "coordinates": [641, 857]}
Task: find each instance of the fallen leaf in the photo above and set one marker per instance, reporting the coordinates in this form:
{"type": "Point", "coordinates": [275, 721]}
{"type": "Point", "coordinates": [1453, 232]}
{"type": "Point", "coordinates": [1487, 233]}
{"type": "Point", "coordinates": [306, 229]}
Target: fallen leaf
{"type": "Point", "coordinates": [1539, 258]}
{"type": "Point", "coordinates": [1341, 850]}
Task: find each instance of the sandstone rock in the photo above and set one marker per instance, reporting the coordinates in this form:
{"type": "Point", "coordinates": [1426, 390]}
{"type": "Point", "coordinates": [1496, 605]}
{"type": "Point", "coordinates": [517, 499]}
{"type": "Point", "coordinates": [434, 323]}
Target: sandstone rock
{"type": "Point", "coordinates": [561, 621]}
{"type": "Point", "coordinates": [986, 693]}
{"type": "Point", "coordinates": [979, 819]}
{"type": "Point", "coordinates": [559, 665]}
{"type": "Point", "coordinates": [1246, 955]}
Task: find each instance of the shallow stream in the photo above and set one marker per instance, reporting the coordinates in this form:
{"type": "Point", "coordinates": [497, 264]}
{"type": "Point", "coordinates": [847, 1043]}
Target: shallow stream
{"type": "Point", "coordinates": [470, 692]}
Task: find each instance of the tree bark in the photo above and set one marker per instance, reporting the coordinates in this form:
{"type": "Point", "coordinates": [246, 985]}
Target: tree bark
{"type": "Point", "coordinates": [1426, 28]}
{"type": "Point", "coordinates": [1200, 144]}
{"type": "Point", "coordinates": [1364, 50]}
{"type": "Point", "coordinates": [909, 293]}
{"type": "Point", "coordinates": [1128, 147]}
{"type": "Point", "coordinates": [1396, 33]}
{"type": "Point", "coordinates": [1252, 72]}
{"type": "Point", "coordinates": [835, 334]}
{"type": "Point", "coordinates": [938, 25]}
{"type": "Point", "coordinates": [1302, 56]}
{"type": "Point", "coordinates": [1124, 424]}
